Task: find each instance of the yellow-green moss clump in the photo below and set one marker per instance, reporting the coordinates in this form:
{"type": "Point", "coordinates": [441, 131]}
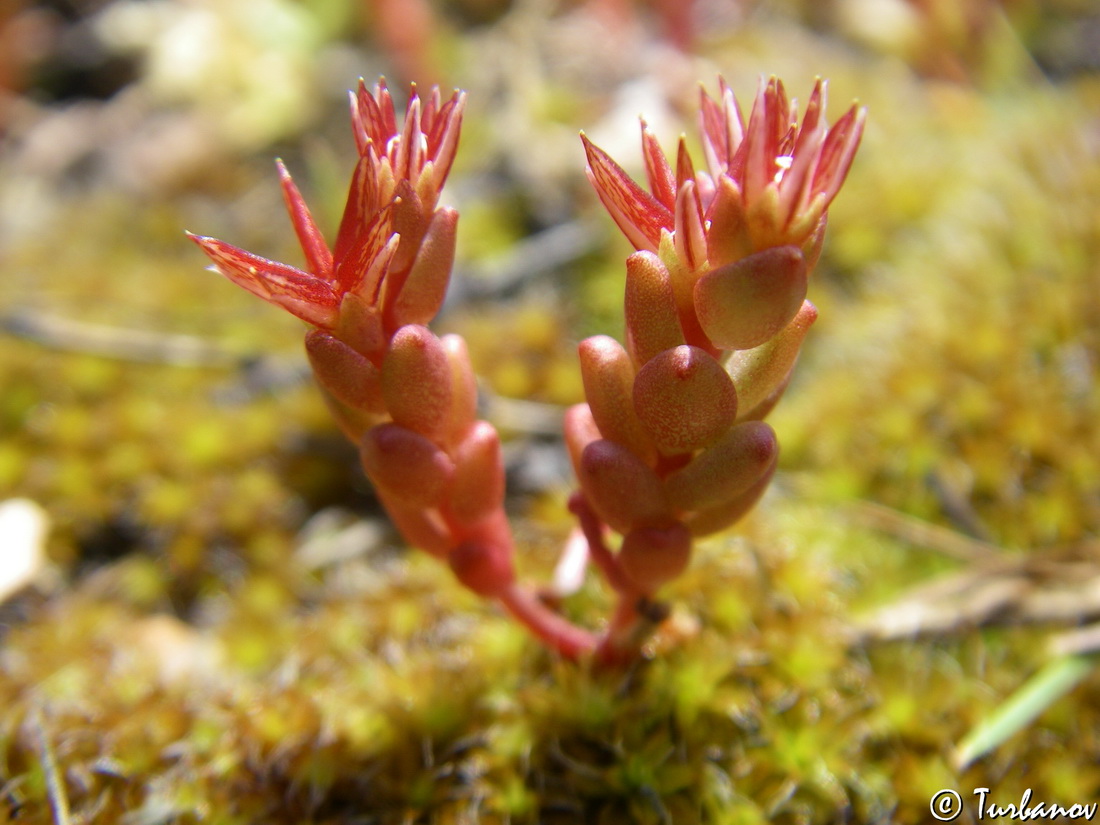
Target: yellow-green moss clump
{"type": "Point", "coordinates": [963, 385]}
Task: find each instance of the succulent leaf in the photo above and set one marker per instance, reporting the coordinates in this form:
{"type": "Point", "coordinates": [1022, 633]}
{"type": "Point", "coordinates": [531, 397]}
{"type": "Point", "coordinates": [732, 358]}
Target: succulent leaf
{"type": "Point", "coordinates": [725, 470]}
{"type": "Point", "coordinates": [406, 465]}
{"type": "Point", "coordinates": [478, 486]}
{"type": "Point", "coordinates": [744, 304]}
{"type": "Point", "coordinates": [652, 556]}
{"type": "Point", "coordinates": [652, 322]}
{"type": "Point", "coordinates": [347, 374]}
{"type": "Point", "coordinates": [424, 289]}
{"type": "Point", "coordinates": [684, 399]}
{"type": "Point", "coordinates": [759, 372]}
{"type": "Point", "coordinates": [608, 376]}
{"type": "Point", "coordinates": [416, 381]}
{"type": "Point", "coordinates": [623, 491]}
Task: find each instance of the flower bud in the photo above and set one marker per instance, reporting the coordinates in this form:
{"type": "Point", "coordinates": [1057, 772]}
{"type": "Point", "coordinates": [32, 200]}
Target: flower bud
{"type": "Point", "coordinates": [406, 465]}
{"type": "Point", "coordinates": [608, 377]}
{"type": "Point", "coordinates": [724, 470]}
{"type": "Point", "coordinates": [416, 381]}
{"type": "Point", "coordinates": [348, 375]}
{"type": "Point", "coordinates": [652, 323]}
{"type": "Point", "coordinates": [651, 556]}
{"type": "Point", "coordinates": [623, 491]}
{"type": "Point", "coordinates": [744, 304]}
{"type": "Point", "coordinates": [684, 399]}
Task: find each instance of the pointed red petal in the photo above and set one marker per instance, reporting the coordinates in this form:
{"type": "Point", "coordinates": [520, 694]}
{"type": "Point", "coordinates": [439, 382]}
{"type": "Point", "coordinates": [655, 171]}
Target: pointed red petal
{"type": "Point", "coordinates": [358, 129]}
{"type": "Point", "coordinates": [795, 186]}
{"type": "Point", "coordinates": [685, 169]}
{"type": "Point", "coordinates": [443, 143]}
{"type": "Point", "coordinates": [301, 294]}
{"type": "Point", "coordinates": [712, 126]}
{"type": "Point", "coordinates": [370, 117]}
{"type": "Point", "coordinates": [723, 129]}
{"type": "Point", "coordinates": [357, 269]}
{"type": "Point", "coordinates": [362, 204]}
{"type": "Point", "coordinates": [761, 141]}
{"type": "Point", "coordinates": [318, 255]}
{"type": "Point", "coordinates": [691, 236]}
{"type": "Point", "coordinates": [662, 182]}
{"type": "Point", "coordinates": [409, 152]}
{"type": "Point", "coordinates": [814, 119]}
{"type": "Point", "coordinates": [430, 112]}
{"type": "Point", "coordinates": [837, 152]}
{"type": "Point", "coordinates": [387, 115]}
{"type": "Point", "coordinates": [639, 215]}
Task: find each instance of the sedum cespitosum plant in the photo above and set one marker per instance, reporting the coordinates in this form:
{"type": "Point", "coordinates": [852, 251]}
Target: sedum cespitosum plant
{"type": "Point", "coordinates": [671, 444]}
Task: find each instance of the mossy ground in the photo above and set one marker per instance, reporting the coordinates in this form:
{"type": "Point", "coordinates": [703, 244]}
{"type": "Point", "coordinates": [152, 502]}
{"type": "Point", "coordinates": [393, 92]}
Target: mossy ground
{"type": "Point", "coordinates": [228, 632]}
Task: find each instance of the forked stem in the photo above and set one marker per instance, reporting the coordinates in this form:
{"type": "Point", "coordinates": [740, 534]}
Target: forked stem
{"type": "Point", "coordinates": [556, 631]}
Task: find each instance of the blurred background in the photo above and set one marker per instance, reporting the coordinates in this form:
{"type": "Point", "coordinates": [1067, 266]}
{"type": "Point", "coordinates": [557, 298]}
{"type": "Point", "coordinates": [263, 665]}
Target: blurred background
{"type": "Point", "coordinates": [176, 505]}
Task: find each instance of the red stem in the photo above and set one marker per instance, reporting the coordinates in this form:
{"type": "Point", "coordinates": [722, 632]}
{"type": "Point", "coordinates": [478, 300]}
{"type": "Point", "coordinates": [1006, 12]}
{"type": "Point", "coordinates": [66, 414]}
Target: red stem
{"type": "Point", "coordinates": [559, 633]}
{"type": "Point", "coordinates": [598, 550]}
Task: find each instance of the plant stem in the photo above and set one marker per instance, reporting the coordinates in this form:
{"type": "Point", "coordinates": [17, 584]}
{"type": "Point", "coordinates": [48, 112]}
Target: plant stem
{"type": "Point", "coordinates": [559, 633]}
{"type": "Point", "coordinates": [598, 550]}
